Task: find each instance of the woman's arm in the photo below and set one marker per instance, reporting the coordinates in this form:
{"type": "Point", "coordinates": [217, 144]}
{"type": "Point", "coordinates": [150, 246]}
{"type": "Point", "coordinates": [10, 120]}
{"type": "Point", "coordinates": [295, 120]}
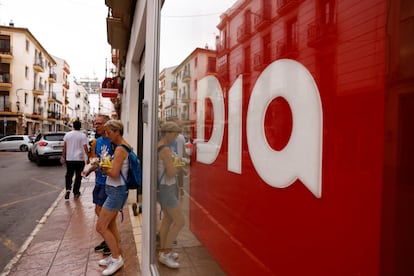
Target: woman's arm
{"type": "Point", "coordinates": [166, 157]}
{"type": "Point", "coordinates": [119, 156]}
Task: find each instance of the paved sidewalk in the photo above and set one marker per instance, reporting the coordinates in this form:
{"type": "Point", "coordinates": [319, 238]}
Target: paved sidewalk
{"type": "Point", "coordinates": [64, 240]}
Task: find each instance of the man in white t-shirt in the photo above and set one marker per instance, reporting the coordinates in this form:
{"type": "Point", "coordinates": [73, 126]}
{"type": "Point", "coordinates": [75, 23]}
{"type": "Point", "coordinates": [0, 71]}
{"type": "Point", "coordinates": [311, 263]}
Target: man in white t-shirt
{"type": "Point", "coordinates": [75, 152]}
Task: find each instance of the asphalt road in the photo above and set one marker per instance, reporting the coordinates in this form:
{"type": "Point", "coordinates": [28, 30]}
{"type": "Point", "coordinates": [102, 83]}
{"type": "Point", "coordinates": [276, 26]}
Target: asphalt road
{"type": "Point", "coordinates": [26, 193]}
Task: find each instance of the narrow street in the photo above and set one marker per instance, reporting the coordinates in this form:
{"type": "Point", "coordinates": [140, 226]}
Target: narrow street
{"type": "Point", "coordinates": [26, 193]}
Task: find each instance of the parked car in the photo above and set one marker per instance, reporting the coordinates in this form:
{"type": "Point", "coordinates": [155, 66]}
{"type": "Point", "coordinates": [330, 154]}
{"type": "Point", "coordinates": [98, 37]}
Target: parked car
{"type": "Point", "coordinates": [15, 142]}
{"type": "Point", "coordinates": [46, 146]}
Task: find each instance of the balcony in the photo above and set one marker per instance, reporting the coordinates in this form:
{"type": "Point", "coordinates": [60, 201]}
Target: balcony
{"type": "Point", "coordinates": [243, 32]}
{"type": "Point", "coordinates": [285, 6]}
{"type": "Point", "coordinates": [5, 80]}
{"type": "Point", "coordinates": [117, 31]}
{"type": "Point", "coordinates": [52, 115]}
{"type": "Point", "coordinates": [184, 116]}
{"type": "Point", "coordinates": [286, 50]}
{"type": "Point", "coordinates": [263, 18]}
{"type": "Point", "coordinates": [222, 49]}
{"type": "Point", "coordinates": [185, 98]}
{"type": "Point", "coordinates": [242, 68]}
{"type": "Point", "coordinates": [66, 68]}
{"type": "Point", "coordinates": [171, 103]}
{"type": "Point", "coordinates": [39, 65]}
{"type": "Point", "coordinates": [53, 98]}
{"type": "Point", "coordinates": [186, 76]}
{"type": "Point", "coordinates": [6, 109]}
{"type": "Point", "coordinates": [258, 62]}
{"type": "Point", "coordinates": [38, 91]}
{"type": "Point", "coordinates": [174, 85]}
{"type": "Point", "coordinates": [6, 53]}
{"type": "Point", "coordinates": [52, 78]}
{"type": "Point", "coordinates": [38, 112]}
{"type": "Point", "coordinates": [321, 34]}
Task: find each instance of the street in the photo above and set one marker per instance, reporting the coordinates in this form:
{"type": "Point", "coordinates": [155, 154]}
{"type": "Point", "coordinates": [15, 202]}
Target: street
{"type": "Point", "coordinates": [26, 193]}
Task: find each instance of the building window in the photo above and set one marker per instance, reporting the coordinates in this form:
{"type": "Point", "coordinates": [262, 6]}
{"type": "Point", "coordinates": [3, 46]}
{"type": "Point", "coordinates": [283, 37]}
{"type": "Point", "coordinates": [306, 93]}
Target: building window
{"type": "Point", "coordinates": [4, 101]}
{"type": "Point", "coordinates": [292, 34]}
{"type": "Point", "coordinates": [5, 43]}
{"type": "Point", "coordinates": [195, 61]}
{"type": "Point", "coordinates": [329, 16]}
{"type": "Point", "coordinates": [211, 65]}
{"type": "Point", "coordinates": [27, 45]}
{"type": "Point", "coordinates": [26, 72]}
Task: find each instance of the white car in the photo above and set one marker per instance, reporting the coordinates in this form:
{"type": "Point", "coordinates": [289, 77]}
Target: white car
{"type": "Point", "coordinates": [15, 143]}
{"type": "Point", "coordinates": [46, 146]}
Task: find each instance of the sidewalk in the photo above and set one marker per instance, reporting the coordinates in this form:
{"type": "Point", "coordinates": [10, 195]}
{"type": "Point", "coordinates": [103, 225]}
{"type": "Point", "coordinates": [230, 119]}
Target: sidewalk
{"type": "Point", "coordinates": [64, 240]}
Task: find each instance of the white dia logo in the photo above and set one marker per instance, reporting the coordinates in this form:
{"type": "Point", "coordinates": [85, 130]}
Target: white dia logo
{"type": "Point", "coordinates": [300, 159]}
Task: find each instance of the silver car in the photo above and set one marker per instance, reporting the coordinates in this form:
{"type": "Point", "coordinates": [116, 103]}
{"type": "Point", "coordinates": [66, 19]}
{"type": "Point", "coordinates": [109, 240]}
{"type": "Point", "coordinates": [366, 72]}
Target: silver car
{"type": "Point", "coordinates": [46, 146]}
{"type": "Point", "coordinates": [15, 143]}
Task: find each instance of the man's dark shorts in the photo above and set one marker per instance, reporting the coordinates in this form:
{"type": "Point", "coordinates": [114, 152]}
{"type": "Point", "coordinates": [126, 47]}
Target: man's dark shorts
{"type": "Point", "coordinates": [99, 195]}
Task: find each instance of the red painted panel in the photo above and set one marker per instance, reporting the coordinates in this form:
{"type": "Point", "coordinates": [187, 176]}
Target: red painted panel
{"type": "Point", "coordinates": [253, 228]}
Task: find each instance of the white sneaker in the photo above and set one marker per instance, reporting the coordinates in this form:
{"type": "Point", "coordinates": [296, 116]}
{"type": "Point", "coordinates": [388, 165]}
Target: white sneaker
{"type": "Point", "coordinates": [168, 260]}
{"type": "Point", "coordinates": [106, 261]}
{"type": "Point", "coordinates": [113, 266]}
{"type": "Point", "coordinates": [173, 255]}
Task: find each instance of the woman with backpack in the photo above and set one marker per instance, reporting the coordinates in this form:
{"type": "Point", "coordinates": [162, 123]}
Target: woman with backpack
{"type": "Point", "coordinates": [173, 218]}
{"type": "Point", "coordinates": [116, 191]}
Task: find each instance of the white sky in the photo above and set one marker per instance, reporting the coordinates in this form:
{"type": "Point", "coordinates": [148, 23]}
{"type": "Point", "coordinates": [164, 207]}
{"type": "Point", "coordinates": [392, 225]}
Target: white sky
{"type": "Point", "coordinates": [75, 30]}
{"type": "Point", "coordinates": [188, 24]}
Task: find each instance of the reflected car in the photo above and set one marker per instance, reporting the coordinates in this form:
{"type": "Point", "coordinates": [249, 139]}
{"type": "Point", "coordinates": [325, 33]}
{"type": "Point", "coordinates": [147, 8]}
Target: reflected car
{"type": "Point", "coordinates": [15, 143]}
{"type": "Point", "coordinates": [46, 146]}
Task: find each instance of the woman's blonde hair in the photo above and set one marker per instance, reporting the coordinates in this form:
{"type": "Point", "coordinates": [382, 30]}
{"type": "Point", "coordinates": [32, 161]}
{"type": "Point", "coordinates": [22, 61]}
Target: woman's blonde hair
{"type": "Point", "coordinates": [170, 127]}
{"type": "Point", "coordinates": [115, 125]}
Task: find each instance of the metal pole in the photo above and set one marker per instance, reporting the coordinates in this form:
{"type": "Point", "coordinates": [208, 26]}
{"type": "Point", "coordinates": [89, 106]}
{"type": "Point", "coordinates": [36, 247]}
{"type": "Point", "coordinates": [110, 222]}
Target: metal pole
{"type": "Point", "coordinates": [4, 125]}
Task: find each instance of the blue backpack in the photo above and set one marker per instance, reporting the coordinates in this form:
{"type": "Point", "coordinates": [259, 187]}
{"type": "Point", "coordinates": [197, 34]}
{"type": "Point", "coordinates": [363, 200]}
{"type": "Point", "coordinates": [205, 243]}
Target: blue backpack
{"type": "Point", "coordinates": [134, 177]}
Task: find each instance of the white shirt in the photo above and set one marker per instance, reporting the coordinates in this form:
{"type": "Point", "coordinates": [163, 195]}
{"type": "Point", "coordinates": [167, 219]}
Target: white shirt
{"type": "Point", "coordinates": [180, 145]}
{"type": "Point", "coordinates": [75, 141]}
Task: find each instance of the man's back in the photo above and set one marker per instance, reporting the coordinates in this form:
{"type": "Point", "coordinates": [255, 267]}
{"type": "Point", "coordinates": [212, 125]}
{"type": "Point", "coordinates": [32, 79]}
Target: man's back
{"type": "Point", "coordinates": [75, 142]}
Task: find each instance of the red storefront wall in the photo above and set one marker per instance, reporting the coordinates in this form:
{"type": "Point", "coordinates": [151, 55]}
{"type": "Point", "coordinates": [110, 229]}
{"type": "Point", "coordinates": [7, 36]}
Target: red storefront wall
{"type": "Point", "coordinates": [253, 228]}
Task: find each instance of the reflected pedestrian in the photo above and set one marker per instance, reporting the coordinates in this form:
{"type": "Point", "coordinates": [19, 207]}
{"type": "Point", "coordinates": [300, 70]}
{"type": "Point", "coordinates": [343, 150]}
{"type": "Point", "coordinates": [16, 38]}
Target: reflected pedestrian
{"type": "Point", "coordinates": [173, 218]}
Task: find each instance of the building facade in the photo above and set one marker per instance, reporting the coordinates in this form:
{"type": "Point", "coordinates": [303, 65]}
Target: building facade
{"type": "Point", "coordinates": [200, 63]}
{"type": "Point", "coordinates": [37, 93]}
{"type": "Point", "coordinates": [27, 102]}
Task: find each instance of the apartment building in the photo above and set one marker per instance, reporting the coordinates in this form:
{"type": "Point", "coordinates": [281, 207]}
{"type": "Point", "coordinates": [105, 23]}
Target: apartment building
{"type": "Point", "coordinates": [182, 106]}
{"type": "Point", "coordinates": [166, 94]}
{"type": "Point", "coordinates": [79, 108]}
{"type": "Point", "coordinates": [28, 103]}
{"type": "Point", "coordinates": [61, 89]}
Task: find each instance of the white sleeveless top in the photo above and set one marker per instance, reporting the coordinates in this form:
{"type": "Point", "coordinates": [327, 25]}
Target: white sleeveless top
{"type": "Point", "coordinates": [115, 182]}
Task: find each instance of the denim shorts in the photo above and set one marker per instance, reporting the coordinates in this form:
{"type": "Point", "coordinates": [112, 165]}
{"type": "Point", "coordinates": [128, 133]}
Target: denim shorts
{"type": "Point", "coordinates": [168, 196]}
{"type": "Point", "coordinates": [116, 197]}
{"type": "Point", "coordinates": [99, 195]}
